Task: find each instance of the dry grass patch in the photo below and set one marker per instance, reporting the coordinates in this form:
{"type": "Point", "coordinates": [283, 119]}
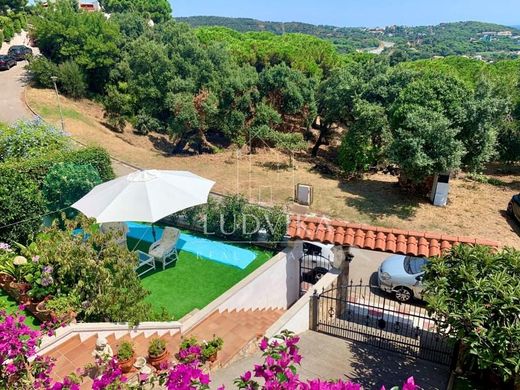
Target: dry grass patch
{"type": "Point", "coordinates": [475, 209]}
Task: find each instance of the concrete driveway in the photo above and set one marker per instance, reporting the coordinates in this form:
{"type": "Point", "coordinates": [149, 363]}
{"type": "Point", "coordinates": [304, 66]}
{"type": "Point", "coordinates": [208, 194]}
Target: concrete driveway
{"type": "Point", "coordinates": [365, 264]}
{"type": "Point", "coordinates": [328, 357]}
{"type": "Point", "coordinates": [12, 82]}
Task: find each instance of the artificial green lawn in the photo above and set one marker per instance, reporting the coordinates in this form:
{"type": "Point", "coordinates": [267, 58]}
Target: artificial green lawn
{"type": "Point", "coordinates": [192, 282]}
{"type": "Point", "coordinates": [10, 306]}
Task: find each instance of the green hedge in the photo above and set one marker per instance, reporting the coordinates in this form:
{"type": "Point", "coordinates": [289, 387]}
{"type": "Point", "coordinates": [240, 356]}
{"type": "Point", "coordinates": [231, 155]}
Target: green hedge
{"type": "Point", "coordinates": [21, 181]}
{"type": "Point", "coordinates": [38, 167]}
{"type": "Point", "coordinates": [21, 207]}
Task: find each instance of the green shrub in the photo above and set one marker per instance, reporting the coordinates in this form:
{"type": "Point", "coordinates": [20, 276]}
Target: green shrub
{"type": "Point", "coordinates": [26, 139]}
{"type": "Point", "coordinates": [17, 26]}
{"type": "Point", "coordinates": [7, 26]}
{"type": "Point", "coordinates": [145, 123]}
{"type": "Point", "coordinates": [1, 38]}
{"type": "Point", "coordinates": [38, 167]}
{"type": "Point", "coordinates": [66, 183]}
{"type": "Point", "coordinates": [72, 80]}
{"type": "Point", "coordinates": [233, 217]}
{"type": "Point", "coordinates": [97, 271]}
{"type": "Point", "coordinates": [21, 207]}
{"type": "Point", "coordinates": [41, 70]}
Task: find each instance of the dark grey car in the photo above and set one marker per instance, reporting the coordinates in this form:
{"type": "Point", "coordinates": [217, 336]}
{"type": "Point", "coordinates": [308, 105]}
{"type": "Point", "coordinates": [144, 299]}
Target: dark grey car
{"type": "Point", "coordinates": [7, 62]}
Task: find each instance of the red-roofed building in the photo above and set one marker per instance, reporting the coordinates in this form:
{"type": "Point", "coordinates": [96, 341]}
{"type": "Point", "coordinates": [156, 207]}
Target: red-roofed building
{"type": "Point", "coordinates": [405, 242]}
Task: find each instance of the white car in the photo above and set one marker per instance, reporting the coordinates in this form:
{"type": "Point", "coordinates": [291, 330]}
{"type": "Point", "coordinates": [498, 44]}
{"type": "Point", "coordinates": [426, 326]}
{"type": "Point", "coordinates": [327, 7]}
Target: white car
{"type": "Point", "coordinates": [402, 276]}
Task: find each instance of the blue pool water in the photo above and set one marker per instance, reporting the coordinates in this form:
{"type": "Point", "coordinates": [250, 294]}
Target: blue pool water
{"type": "Point", "coordinates": [208, 249]}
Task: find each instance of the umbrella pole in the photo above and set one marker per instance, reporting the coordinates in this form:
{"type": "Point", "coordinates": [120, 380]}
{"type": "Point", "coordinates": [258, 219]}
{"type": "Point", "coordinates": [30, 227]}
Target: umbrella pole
{"type": "Point", "coordinates": [153, 233]}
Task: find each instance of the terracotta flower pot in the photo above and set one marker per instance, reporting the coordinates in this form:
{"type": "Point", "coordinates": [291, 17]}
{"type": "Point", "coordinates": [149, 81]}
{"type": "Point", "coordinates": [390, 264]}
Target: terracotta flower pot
{"type": "Point", "coordinates": [127, 365]}
{"type": "Point", "coordinates": [5, 279]}
{"type": "Point", "coordinates": [158, 361]}
{"type": "Point", "coordinates": [17, 290]}
{"type": "Point", "coordinates": [42, 312]}
{"type": "Point", "coordinates": [213, 358]}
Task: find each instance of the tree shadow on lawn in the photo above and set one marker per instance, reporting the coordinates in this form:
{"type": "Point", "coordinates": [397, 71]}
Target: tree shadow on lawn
{"type": "Point", "coordinates": [379, 199]}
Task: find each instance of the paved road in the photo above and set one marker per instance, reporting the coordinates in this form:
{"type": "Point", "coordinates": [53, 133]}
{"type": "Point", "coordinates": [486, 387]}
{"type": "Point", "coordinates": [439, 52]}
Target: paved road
{"type": "Point", "coordinates": [328, 357]}
{"type": "Point", "coordinates": [12, 107]}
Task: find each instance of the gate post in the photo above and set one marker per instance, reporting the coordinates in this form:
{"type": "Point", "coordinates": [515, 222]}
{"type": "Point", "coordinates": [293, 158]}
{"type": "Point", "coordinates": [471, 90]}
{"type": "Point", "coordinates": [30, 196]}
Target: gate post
{"type": "Point", "coordinates": [313, 311]}
{"type": "Point", "coordinates": [342, 259]}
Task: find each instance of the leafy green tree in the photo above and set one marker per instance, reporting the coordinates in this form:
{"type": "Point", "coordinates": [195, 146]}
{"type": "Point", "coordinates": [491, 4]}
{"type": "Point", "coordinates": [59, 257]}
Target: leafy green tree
{"type": "Point", "coordinates": [366, 141]}
{"type": "Point", "coordinates": [12, 6]}
{"type": "Point", "coordinates": [426, 143]}
{"type": "Point", "coordinates": [474, 295]}
{"type": "Point", "coordinates": [63, 33]}
{"type": "Point", "coordinates": [41, 70]}
{"type": "Point", "coordinates": [72, 80]}
{"type": "Point", "coordinates": [157, 10]}
{"type": "Point", "coordinates": [290, 93]}
{"type": "Point", "coordinates": [7, 27]}
{"type": "Point", "coordinates": [486, 113]}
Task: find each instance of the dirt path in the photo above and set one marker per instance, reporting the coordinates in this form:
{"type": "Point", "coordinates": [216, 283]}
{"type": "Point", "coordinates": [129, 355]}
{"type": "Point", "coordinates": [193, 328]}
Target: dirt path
{"type": "Point", "coordinates": [475, 209]}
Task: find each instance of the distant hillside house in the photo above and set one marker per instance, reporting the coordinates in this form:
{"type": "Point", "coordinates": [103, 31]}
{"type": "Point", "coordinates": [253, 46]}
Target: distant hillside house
{"type": "Point", "coordinates": [89, 6]}
{"type": "Point", "coordinates": [505, 33]}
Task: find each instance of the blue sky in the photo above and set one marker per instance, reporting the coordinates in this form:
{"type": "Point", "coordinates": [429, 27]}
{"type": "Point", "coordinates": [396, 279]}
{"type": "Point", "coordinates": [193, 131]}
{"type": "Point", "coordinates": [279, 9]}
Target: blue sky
{"type": "Point", "coordinates": [370, 13]}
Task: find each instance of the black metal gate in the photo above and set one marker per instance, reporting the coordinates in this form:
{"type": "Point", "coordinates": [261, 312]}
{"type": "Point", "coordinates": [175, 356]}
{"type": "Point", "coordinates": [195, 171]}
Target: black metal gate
{"type": "Point", "coordinates": [312, 267]}
{"type": "Point", "coordinates": [364, 314]}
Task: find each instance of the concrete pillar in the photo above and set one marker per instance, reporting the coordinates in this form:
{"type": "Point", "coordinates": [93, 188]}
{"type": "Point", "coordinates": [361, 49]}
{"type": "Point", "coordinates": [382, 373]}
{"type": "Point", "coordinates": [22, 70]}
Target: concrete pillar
{"type": "Point", "coordinates": [342, 259]}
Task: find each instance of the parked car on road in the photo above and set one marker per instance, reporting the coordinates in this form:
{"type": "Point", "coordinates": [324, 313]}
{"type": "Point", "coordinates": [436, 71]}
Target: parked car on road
{"type": "Point", "coordinates": [7, 62]}
{"type": "Point", "coordinates": [20, 52]}
{"type": "Point", "coordinates": [402, 276]}
{"type": "Point", "coordinates": [513, 208]}
{"type": "Point", "coordinates": [316, 261]}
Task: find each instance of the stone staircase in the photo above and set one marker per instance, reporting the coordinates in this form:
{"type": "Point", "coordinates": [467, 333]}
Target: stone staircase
{"type": "Point", "coordinates": [239, 329]}
{"type": "Point", "coordinates": [76, 353]}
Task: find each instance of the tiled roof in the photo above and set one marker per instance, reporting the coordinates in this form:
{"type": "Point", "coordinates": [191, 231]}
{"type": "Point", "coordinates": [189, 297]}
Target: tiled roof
{"type": "Point", "coordinates": [406, 242]}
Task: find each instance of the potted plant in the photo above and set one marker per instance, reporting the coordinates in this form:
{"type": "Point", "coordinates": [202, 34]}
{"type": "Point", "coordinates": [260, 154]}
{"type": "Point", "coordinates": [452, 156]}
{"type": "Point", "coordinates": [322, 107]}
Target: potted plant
{"type": "Point", "coordinates": [210, 349]}
{"type": "Point", "coordinates": [63, 308]}
{"type": "Point", "coordinates": [42, 311]}
{"type": "Point", "coordinates": [18, 287]}
{"type": "Point", "coordinates": [157, 353]}
{"type": "Point", "coordinates": [125, 356]}
{"type": "Point", "coordinates": [7, 270]}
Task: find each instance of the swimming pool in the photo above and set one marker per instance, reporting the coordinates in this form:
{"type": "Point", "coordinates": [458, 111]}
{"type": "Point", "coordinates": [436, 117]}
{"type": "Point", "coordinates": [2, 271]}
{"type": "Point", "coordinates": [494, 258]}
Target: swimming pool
{"type": "Point", "coordinates": [203, 247]}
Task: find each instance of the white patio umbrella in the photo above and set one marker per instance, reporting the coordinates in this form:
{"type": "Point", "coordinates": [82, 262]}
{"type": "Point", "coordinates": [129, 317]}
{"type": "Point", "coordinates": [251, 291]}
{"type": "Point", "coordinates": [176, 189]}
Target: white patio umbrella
{"type": "Point", "coordinates": [144, 196]}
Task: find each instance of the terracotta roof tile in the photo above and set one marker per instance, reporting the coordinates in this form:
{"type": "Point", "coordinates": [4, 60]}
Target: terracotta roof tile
{"type": "Point", "coordinates": [359, 238]}
{"type": "Point", "coordinates": [380, 243]}
{"type": "Point", "coordinates": [411, 246]}
{"type": "Point", "coordinates": [412, 243]}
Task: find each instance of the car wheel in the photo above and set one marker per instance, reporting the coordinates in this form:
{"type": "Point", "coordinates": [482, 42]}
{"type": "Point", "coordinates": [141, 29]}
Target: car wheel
{"type": "Point", "coordinates": [510, 208]}
{"type": "Point", "coordinates": [403, 294]}
{"type": "Point", "coordinates": [318, 273]}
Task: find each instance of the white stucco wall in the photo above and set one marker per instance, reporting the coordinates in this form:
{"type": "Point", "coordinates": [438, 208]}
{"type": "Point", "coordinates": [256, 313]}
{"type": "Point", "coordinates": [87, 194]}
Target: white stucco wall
{"type": "Point", "coordinates": [276, 287]}
{"type": "Point", "coordinates": [296, 319]}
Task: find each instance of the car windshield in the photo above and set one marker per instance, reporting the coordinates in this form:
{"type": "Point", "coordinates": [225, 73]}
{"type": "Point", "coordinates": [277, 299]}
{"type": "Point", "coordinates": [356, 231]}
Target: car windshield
{"type": "Point", "coordinates": [414, 265]}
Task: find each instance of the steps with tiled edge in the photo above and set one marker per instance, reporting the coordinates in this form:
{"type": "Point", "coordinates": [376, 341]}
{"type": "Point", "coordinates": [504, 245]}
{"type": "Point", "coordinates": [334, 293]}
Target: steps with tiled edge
{"type": "Point", "coordinates": [75, 353]}
{"type": "Point", "coordinates": [237, 329]}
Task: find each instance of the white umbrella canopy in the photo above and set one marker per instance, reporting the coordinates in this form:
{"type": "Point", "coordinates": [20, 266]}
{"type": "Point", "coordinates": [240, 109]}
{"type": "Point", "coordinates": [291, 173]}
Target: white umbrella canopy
{"type": "Point", "coordinates": [144, 196]}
